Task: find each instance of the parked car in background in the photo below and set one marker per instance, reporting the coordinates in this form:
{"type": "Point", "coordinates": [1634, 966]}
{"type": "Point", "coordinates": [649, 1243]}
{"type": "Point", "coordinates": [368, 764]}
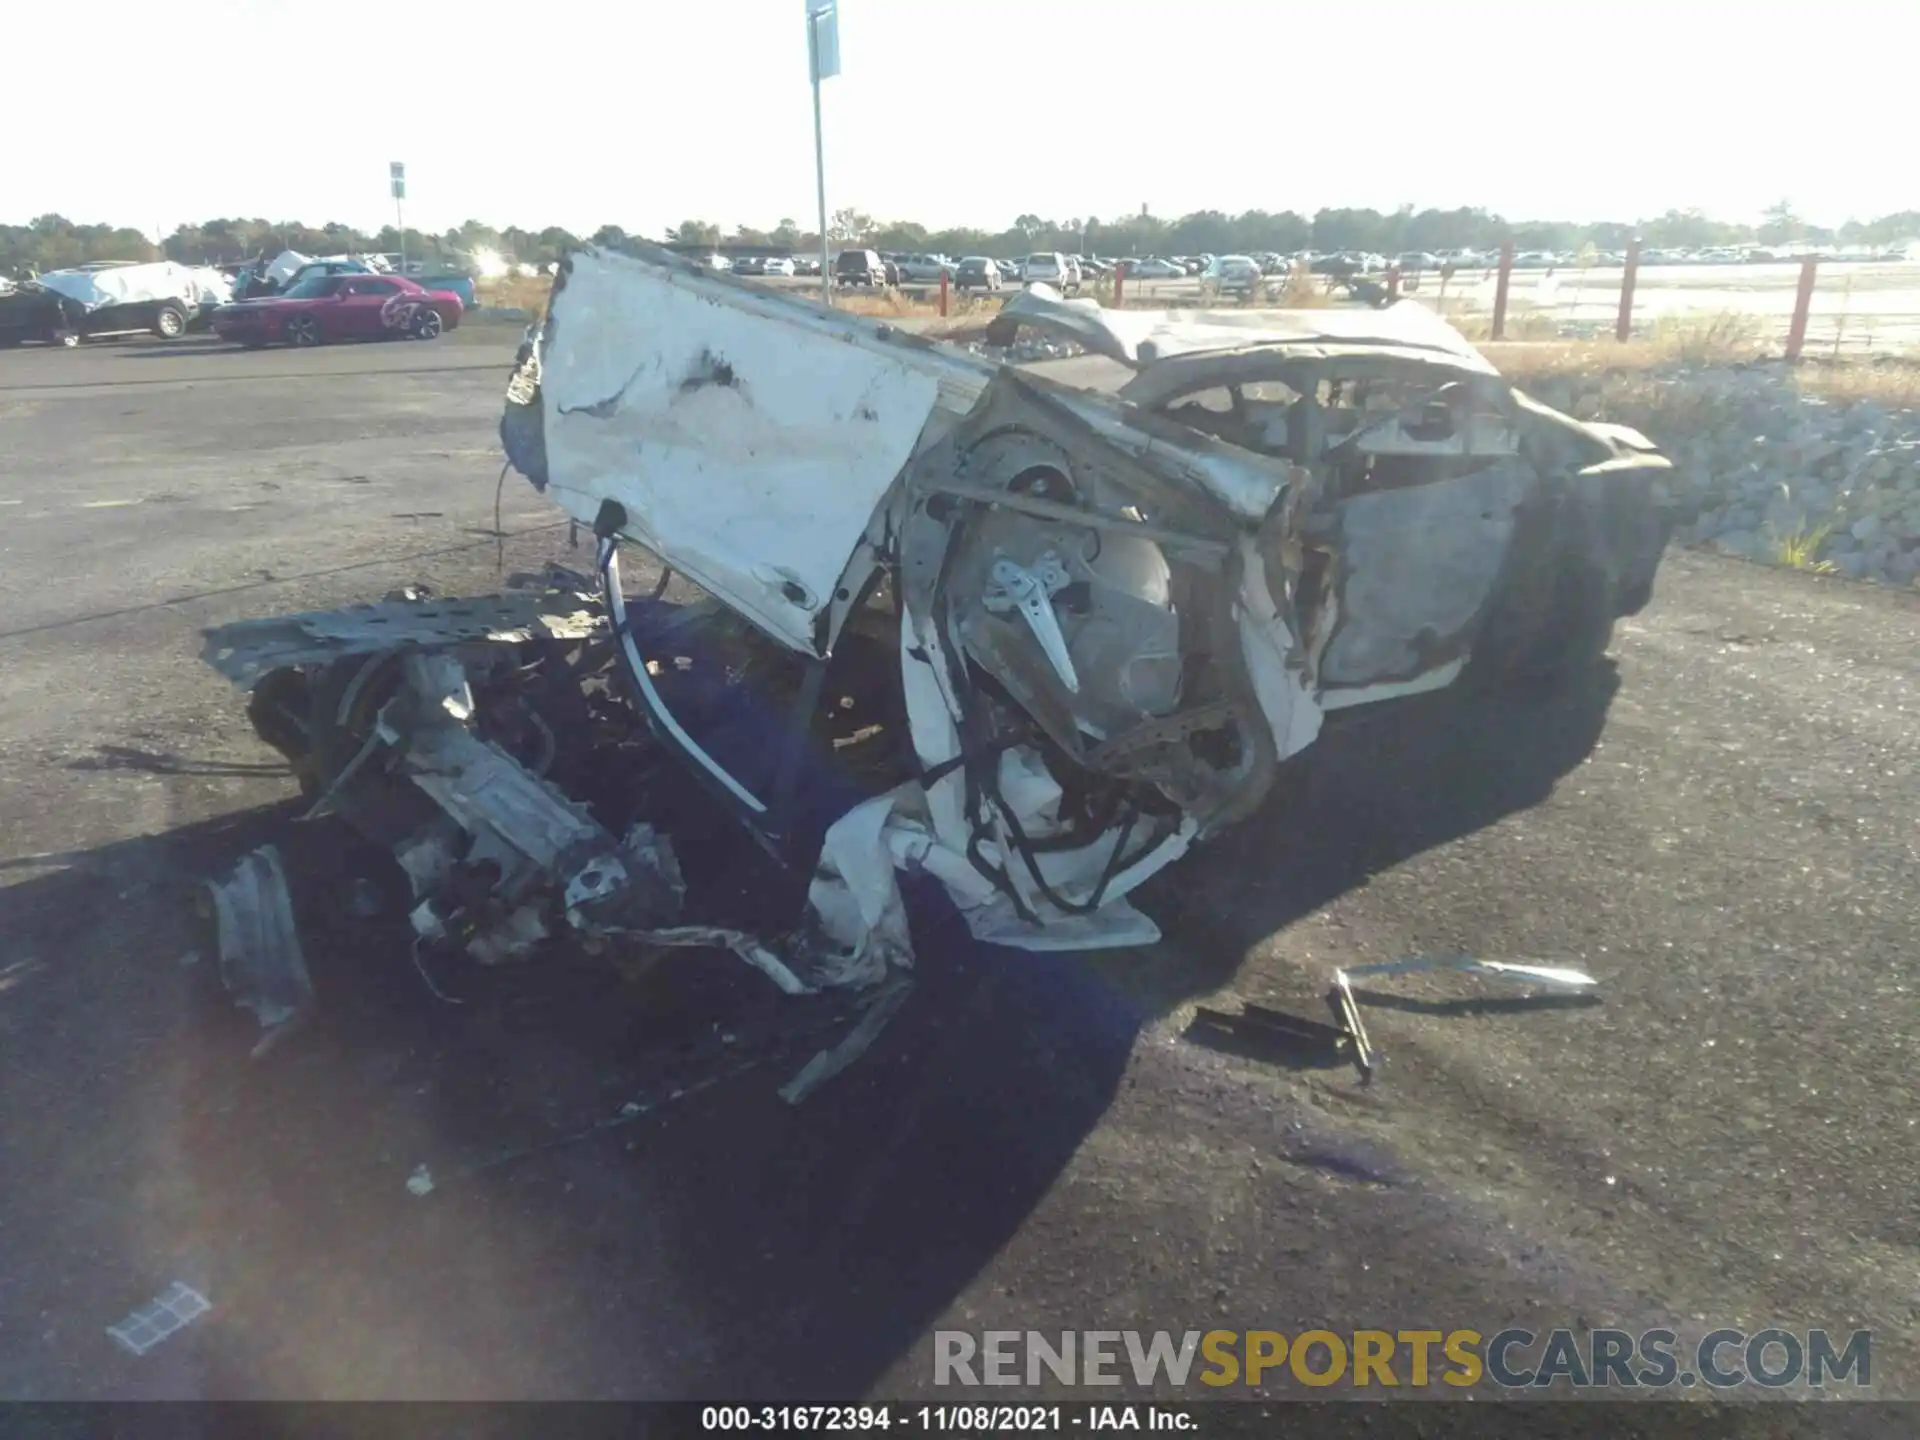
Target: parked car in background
{"type": "Point", "coordinates": [1230, 277]}
{"type": "Point", "coordinates": [924, 269]}
{"type": "Point", "coordinates": [1154, 268]}
{"type": "Point", "coordinates": [750, 265]}
{"type": "Point", "coordinates": [780, 265]}
{"type": "Point", "coordinates": [860, 267]}
{"type": "Point", "coordinates": [1009, 270]}
{"type": "Point", "coordinates": [1048, 267]}
{"type": "Point", "coordinates": [1413, 262]}
{"type": "Point", "coordinates": [977, 272]}
{"type": "Point", "coordinates": [323, 308]}
{"type": "Point", "coordinates": [806, 265]}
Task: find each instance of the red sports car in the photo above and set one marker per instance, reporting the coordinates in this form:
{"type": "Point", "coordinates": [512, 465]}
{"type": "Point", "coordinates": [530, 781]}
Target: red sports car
{"type": "Point", "coordinates": [340, 307]}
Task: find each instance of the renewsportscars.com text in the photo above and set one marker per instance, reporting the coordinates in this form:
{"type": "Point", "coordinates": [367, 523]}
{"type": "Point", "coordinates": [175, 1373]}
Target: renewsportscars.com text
{"type": "Point", "coordinates": [1511, 1358]}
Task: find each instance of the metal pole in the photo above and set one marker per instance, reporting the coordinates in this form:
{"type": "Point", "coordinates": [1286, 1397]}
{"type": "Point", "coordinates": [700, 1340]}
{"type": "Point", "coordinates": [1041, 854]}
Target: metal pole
{"type": "Point", "coordinates": [1500, 289]}
{"type": "Point", "coordinates": [401, 225]}
{"type": "Point", "coordinates": [1623, 323]}
{"type": "Point", "coordinates": [1802, 307]}
{"type": "Point", "coordinates": [820, 160]}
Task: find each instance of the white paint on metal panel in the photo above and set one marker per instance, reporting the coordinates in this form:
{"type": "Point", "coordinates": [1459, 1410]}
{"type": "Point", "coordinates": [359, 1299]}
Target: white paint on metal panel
{"type": "Point", "coordinates": [749, 451]}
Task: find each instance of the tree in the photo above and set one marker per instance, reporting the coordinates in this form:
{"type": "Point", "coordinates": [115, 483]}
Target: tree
{"type": "Point", "coordinates": [53, 241]}
{"type": "Point", "coordinates": [553, 243]}
{"type": "Point", "coordinates": [849, 226]}
{"type": "Point", "coordinates": [694, 232]}
{"type": "Point", "coordinates": [1780, 224]}
{"type": "Point", "coordinates": [472, 236]}
{"type": "Point", "coordinates": [1688, 230]}
{"type": "Point", "coordinates": [608, 235]}
{"type": "Point", "coordinates": [900, 236]}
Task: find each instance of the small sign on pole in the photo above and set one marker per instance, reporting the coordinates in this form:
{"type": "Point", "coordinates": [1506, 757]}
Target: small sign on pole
{"type": "Point", "coordinates": [823, 19]}
{"type": "Point", "coordinates": [397, 178]}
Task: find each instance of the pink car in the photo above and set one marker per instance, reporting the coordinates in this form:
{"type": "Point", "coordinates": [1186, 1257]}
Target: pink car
{"type": "Point", "coordinates": [340, 307]}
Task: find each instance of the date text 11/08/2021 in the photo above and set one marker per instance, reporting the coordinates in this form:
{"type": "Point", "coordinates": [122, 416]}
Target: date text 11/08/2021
{"type": "Point", "coordinates": [936, 1418]}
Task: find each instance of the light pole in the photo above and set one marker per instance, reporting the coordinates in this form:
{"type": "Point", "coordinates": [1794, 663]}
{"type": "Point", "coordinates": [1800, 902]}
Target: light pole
{"type": "Point", "coordinates": [823, 60]}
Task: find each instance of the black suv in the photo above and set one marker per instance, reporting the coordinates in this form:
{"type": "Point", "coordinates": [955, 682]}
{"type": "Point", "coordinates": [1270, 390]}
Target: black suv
{"type": "Point", "coordinates": [859, 267]}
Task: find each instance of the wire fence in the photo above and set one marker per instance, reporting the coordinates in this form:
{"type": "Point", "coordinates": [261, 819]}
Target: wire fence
{"type": "Point", "coordinates": [1822, 308]}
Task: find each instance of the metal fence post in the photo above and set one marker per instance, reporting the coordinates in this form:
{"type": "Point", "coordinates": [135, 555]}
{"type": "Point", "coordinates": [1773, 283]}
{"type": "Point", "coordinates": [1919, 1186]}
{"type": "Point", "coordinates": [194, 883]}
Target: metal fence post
{"type": "Point", "coordinates": [1119, 285]}
{"type": "Point", "coordinates": [1623, 327]}
{"type": "Point", "coordinates": [1802, 307]}
{"type": "Point", "coordinates": [1393, 282]}
{"type": "Point", "coordinates": [943, 292]}
{"type": "Point", "coordinates": [1500, 284]}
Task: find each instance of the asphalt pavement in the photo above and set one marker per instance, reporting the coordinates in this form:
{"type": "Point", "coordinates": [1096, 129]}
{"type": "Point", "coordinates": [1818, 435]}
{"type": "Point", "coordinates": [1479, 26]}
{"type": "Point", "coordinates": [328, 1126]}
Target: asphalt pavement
{"type": "Point", "coordinates": [1719, 824]}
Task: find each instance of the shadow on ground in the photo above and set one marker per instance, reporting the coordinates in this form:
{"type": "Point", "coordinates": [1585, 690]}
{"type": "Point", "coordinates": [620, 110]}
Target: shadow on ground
{"type": "Point", "coordinates": [726, 1245]}
{"type": "Point", "coordinates": [1379, 787]}
{"type": "Point", "coordinates": [723, 1245]}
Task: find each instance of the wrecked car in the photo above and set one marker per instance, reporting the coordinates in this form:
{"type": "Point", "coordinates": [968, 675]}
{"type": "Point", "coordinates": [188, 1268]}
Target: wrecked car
{"type": "Point", "coordinates": [955, 620]}
{"type": "Point", "coordinates": [64, 307]}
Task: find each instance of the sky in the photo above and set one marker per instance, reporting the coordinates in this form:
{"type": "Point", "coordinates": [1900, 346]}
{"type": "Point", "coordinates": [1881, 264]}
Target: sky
{"type": "Point", "coordinates": [644, 113]}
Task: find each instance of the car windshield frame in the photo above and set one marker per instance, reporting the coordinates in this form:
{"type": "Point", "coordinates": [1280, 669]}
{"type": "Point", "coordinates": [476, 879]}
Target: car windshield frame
{"type": "Point", "coordinates": [313, 287]}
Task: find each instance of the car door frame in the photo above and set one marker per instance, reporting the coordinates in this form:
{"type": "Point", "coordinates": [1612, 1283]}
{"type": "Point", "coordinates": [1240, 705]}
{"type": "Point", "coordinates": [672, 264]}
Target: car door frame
{"type": "Point", "coordinates": [364, 304]}
{"type": "Point", "coordinates": [1365, 560]}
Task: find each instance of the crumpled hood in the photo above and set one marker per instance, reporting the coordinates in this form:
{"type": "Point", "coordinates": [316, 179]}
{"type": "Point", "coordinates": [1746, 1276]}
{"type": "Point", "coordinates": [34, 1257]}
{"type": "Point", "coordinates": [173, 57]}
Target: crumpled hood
{"type": "Point", "coordinates": [1139, 338]}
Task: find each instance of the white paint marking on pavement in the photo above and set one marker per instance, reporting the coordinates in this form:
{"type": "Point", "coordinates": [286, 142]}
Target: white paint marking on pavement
{"type": "Point", "coordinates": [106, 504]}
{"type": "Point", "coordinates": [172, 1311]}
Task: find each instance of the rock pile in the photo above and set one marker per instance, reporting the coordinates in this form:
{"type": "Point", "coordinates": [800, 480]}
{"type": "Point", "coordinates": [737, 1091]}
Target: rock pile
{"type": "Point", "coordinates": [1773, 474]}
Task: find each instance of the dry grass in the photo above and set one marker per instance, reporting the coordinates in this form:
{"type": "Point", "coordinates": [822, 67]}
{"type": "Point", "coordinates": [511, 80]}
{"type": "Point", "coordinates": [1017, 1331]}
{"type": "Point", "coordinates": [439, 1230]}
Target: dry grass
{"type": "Point", "coordinates": [529, 293]}
{"type": "Point", "coordinates": [1635, 378]}
{"type": "Point", "coordinates": [1708, 340]}
{"type": "Point", "coordinates": [962, 306]}
{"type": "Point", "coordinates": [1800, 549]}
{"type": "Point", "coordinates": [1892, 382]}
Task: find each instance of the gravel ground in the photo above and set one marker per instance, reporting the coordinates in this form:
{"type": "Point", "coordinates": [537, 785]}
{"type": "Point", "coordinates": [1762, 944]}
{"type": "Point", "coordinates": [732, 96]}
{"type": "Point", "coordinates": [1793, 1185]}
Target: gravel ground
{"type": "Point", "coordinates": [1721, 828]}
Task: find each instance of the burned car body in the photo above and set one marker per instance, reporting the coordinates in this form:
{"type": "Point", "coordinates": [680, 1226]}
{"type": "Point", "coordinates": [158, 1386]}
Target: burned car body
{"type": "Point", "coordinates": [958, 620]}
